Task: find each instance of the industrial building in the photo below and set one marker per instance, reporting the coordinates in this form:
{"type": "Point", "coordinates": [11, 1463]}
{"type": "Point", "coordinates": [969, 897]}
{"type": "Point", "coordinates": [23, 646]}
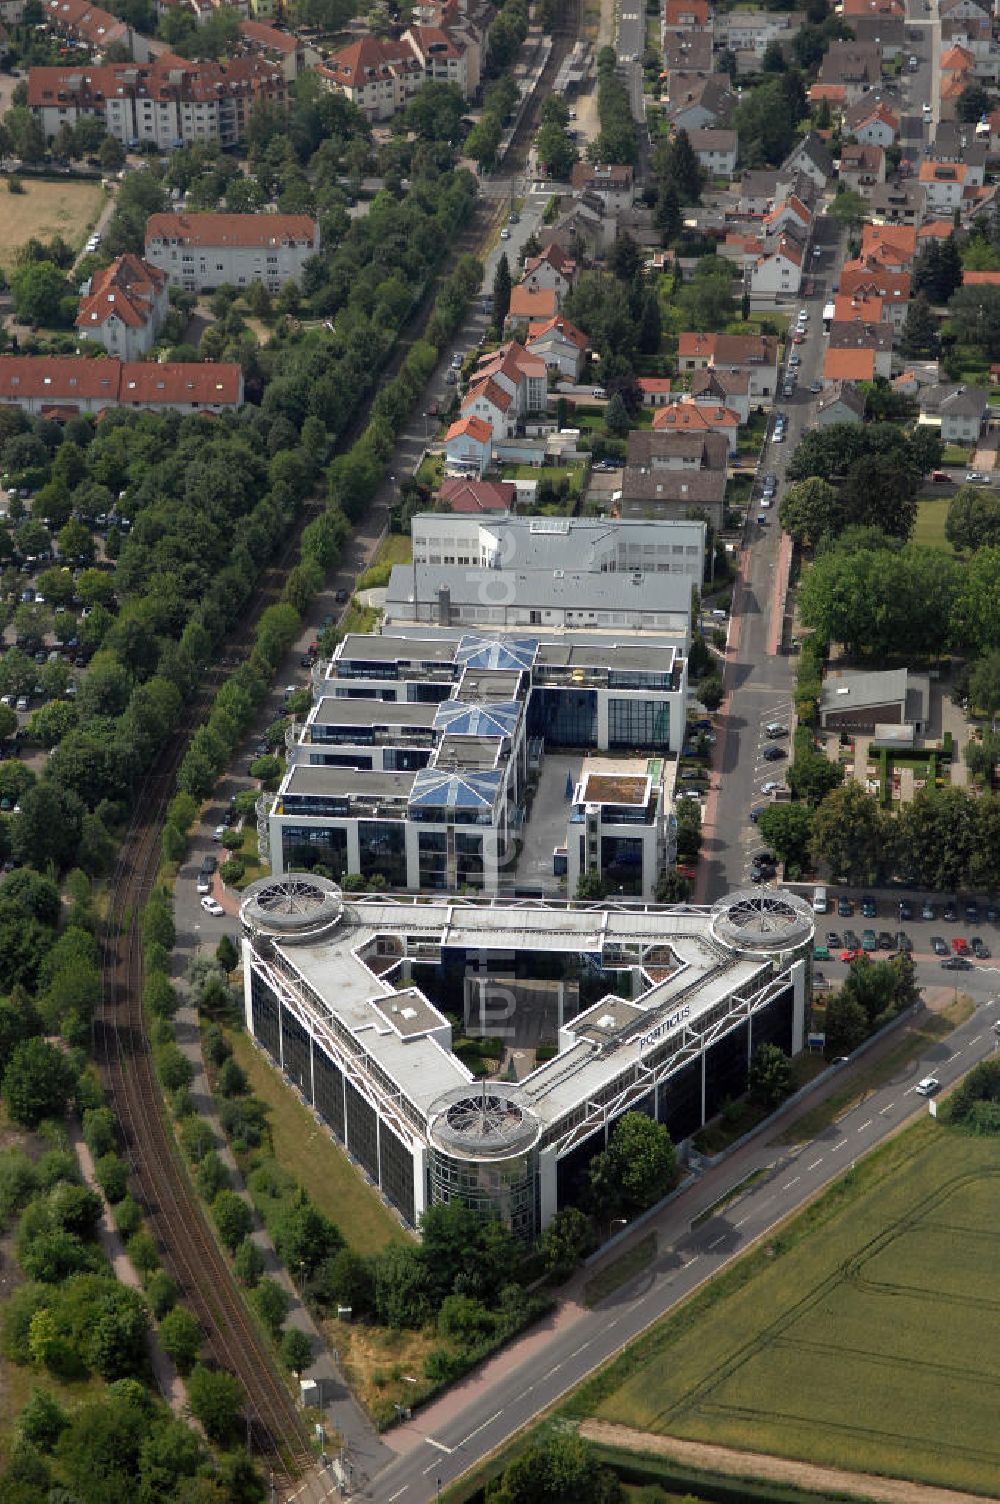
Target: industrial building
{"type": "Point", "coordinates": [654, 1010]}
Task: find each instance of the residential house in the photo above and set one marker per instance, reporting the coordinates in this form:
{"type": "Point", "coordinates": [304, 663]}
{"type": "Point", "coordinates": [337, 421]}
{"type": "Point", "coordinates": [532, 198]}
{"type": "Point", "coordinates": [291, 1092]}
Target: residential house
{"type": "Point", "coordinates": [687, 52]}
{"type": "Point", "coordinates": [964, 21]}
{"type": "Point", "coordinates": [757, 191]}
{"type": "Point", "coordinates": [124, 306]}
{"type": "Point", "coordinates": [855, 334]}
{"type": "Point", "coordinates": [871, 123]}
{"type": "Point", "coordinates": [934, 229]}
{"type": "Point", "coordinates": [944, 186]}
{"type": "Point", "coordinates": [587, 227]}
{"type": "Point", "coordinates": [789, 215]}
{"type": "Point", "coordinates": [887, 32]}
{"type": "Point", "coordinates": [459, 493]}
{"type": "Point", "coordinates": [468, 445]}
{"type": "Point", "coordinates": [655, 390]}
{"type": "Point", "coordinates": [163, 104]}
{"type": "Point", "coordinates": [62, 386]}
{"type": "Point", "coordinates": [613, 185]}
{"type": "Point", "coordinates": [897, 202]}
{"type": "Point", "coordinates": [378, 76]}
{"type": "Point", "coordinates": [672, 475]}
{"type": "Point", "coordinates": [962, 412]}
{"type": "Point", "coordinates": [981, 279]}
{"type": "Point", "coordinates": [855, 68]}
{"type": "Point", "coordinates": [778, 270]}
{"type": "Point", "coordinates": [730, 388]}
{"type": "Point", "coordinates": [810, 157]}
{"type": "Point", "coordinates": [849, 365]}
{"type": "Point", "coordinates": [891, 9]}
{"type": "Point", "coordinates": [494, 404]}
{"type": "Point", "coordinates": [531, 305]}
{"type": "Point", "coordinates": [560, 344]}
{"type": "Point", "coordinates": [505, 386]}
{"type": "Point", "coordinates": [752, 31]}
{"type": "Point", "coordinates": [200, 251]}
{"type": "Point", "coordinates": [700, 102]}
{"type": "Point", "coordinates": [691, 416]}
{"type": "Point", "coordinates": [863, 280]}
{"type": "Point", "coordinates": [716, 150]}
{"type": "Point", "coordinates": [552, 269]}
{"type": "Point", "coordinates": [755, 354]}
{"type": "Point", "coordinates": [850, 308]}
{"type": "Point", "coordinates": [956, 142]}
{"type": "Point", "coordinates": [862, 167]}
{"type": "Point", "coordinates": [686, 15]}
{"type": "Point", "coordinates": [840, 402]}
{"type": "Point", "coordinates": [892, 246]}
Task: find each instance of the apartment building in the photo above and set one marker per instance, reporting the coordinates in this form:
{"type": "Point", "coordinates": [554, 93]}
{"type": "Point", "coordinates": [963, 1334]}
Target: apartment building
{"type": "Point", "coordinates": [62, 386]}
{"type": "Point", "coordinates": [200, 251]}
{"type": "Point", "coordinates": [124, 306]}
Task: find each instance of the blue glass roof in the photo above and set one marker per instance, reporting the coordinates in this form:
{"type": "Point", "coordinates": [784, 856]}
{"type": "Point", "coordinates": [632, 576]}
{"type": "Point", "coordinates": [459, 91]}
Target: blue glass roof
{"type": "Point", "coordinates": [460, 718]}
{"type": "Point", "coordinates": [493, 652]}
{"type": "Point", "coordinates": [437, 788]}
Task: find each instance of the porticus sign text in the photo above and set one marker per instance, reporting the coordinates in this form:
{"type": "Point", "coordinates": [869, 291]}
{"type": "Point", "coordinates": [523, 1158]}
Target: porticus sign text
{"type": "Point", "coordinates": [665, 1027]}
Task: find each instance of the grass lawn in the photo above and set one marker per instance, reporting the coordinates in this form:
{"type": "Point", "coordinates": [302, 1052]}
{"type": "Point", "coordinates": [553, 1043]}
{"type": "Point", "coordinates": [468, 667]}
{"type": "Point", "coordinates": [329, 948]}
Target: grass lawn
{"type": "Point", "coordinates": [430, 471]}
{"type": "Point", "coordinates": [307, 1152]}
{"type": "Point", "coordinates": [46, 209]}
{"type": "Point", "coordinates": [854, 1337]}
{"type": "Point", "coordinates": [929, 528]}
{"type": "Point", "coordinates": [255, 868]}
{"type": "Point", "coordinates": [956, 454]}
{"type": "Point", "coordinates": [395, 548]}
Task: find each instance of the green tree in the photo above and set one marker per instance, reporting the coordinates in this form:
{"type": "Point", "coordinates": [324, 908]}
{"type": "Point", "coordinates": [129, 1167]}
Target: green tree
{"type": "Point", "coordinates": [39, 289]}
{"type": "Point", "coordinates": [566, 1240]}
{"type": "Point", "coordinates": [562, 1470]}
{"type": "Point", "coordinates": [232, 1217]}
{"type": "Point", "coordinates": [640, 1163]}
{"type": "Point", "coordinates": [272, 1304]}
{"type": "Point", "coordinates": [216, 1399]}
{"type": "Point", "coordinates": [849, 209]}
{"type": "Point", "coordinates": [850, 834]}
{"type": "Point", "coordinates": [810, 510]}
{"type": "Point", "coordinates": [973, 519]}
{"type": "Point", "coordinates": [984, 685]}
{"type": "Point", "coordinates": [846, 1024]}
{"type": "Point", "coordinates": [920, 339]}
{"type": "Point", "coordinates": [787, 829]}
{"type": "Point", "coordinates": [770, 1075]}
{"type": "Point", "coordinates": [248, 1263]}
{"type": "Point", "coordinates": [38, 1083]}
{"type": "Point", "coordinates": [616, 419]}
{"type": "Point", "coordinates": [296, 1350]}
{"type": "Point", "coordinates": [181, 1337]}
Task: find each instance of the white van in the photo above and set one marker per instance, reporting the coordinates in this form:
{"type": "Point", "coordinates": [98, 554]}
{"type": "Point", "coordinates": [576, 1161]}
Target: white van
{"type": "Point", "coordinates": [821, 904]}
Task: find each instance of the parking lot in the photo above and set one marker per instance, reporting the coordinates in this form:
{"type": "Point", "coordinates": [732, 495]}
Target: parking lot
{"type": "Point", "coordinates": [956, 933]}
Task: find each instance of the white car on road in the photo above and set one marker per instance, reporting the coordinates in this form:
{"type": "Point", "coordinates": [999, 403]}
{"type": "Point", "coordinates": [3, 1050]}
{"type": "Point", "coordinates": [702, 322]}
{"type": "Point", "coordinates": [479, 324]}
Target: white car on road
{"type": "Point", "coordinates": [213, 907]}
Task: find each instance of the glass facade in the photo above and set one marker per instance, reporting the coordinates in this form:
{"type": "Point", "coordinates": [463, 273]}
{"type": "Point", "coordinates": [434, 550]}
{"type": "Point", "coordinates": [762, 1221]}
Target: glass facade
{"type": "Point", "coordinates": [264, 1011]}
{"type": "Point", "coordinates": [362, 1130]}
{"type": "Point", "coordinates": [297, 1051]}
{"type": "Point", "coordinates": [432, 847]}
{"type": "Point", "coordinates": [726, 1064]}
{"type": "Point", "coordinates": [395, 1163]}
{"type": "Point", "coordinates": [383, 850]}
{"type": "Point", "coordinates": [643, 724]}
{"type": "Point", "coordinates": [329, 1092]}
{"type": "Point", "coordinates": [564, 717]}
{"type": "Point", "coordinates": [621, 864]}
{"type": "Point", "coordinates": [304, 847]}
{"type": "Point", "coordinates": [507, 1188]}
{"type": "Point", "coordinates": [469, 860]}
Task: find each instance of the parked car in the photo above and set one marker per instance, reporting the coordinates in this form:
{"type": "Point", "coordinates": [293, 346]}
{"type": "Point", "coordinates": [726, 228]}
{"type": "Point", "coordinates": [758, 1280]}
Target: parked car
{"type": "Point", "coordinates": [972, 912]}
{"type": "Point", "coordinates": [340, 597]}
{"type": "Point", "coordinates": [845, 908]}
{"type": "Point", "coordinates": [979, 950]}
{"type": "Point", "coordinates": [927, 910]}
{"type": "Point", "coordinates": [775, 728]}
{"type": "Point", "coordinates": [977, 478]}
{"type": "Point", "coordinates": [956, 963]}
{"type": "Point", "coordinates": [940, 477]}
{"type": "Point", "coordinates": [869, 941]}
{"type": "Point", "coordinates": [904, 942]}
{"type": "Point", "coordinates": [851, 940]}
{"type": "Point", "coordinates": [886, 940]}
{"type": "Point", "coordinates": [950, 914]}
{"type": "Point", "coordinates": [960, 945]}
{"type": "Point", "coordinates": [833, 940]}
{"type": "Point", "coordinates": [939, 945]}
{"type": "Point", "coordinates": [773, 753]}
{"type": "Point", "coordinates": [213, 907]}
{"type": "Point", "coordinates": [905, 909]}
{"type": "Point", "coordinates": [869, 907]}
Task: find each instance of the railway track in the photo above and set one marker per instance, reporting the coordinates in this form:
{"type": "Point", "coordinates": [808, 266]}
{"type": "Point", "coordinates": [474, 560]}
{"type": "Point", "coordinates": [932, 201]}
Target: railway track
{"type": "Point", "coordinates": [187, 1245]}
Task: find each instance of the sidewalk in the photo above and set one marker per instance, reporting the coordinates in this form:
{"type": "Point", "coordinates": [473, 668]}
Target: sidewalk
{"type": "Point", "coordinates": [168, 1380]}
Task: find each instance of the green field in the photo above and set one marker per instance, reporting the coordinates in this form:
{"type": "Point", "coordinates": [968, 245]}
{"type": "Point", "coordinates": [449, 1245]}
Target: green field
{"type": "Point", "coordinates": [929, 528]}
{"type": "Point", "coordinates": [856, 1338]}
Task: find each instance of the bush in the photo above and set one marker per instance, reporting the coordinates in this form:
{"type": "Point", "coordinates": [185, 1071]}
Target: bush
{"type": "Point", "coordinates": [141, 1249]}
{"type": "Point", "coordinates": [233, 1218]}
{"type": "Point", "coordinates": [197, 1138]}
{"type": "Point", "coordinates": [212, 1176]}
{"type": "Point", "coordinates": [272, 1302]}
{"type": "Point", "coordinates": [99, 1132]}
{"type": "Point", "coordinates": [231, 871]}
{"type": "Point", "coordinates": [173, 1068]}
{"type": "Point", "coordinates": [296, 1350]}
{"type": "Point", "coordinates": [248, 1263]}
{"type": "Point", "coordinates": [232, 1080]}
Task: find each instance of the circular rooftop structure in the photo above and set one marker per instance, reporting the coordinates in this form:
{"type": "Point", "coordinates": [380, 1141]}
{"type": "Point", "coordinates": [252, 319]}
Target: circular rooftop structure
{"type": "Point", "coordinates": [483, 1121]}
{"type": "Point", "coordinates": [295, 909]}
{"type": "Point", "coordinates": [763, 920]}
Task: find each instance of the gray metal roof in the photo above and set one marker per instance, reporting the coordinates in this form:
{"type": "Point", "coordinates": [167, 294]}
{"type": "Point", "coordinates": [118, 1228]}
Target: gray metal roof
{"type": "Point", "coordinates": [856, 691]}
{"type": "Point", "coordinates": [332, 711]}
{"type": "Point", "coordinates": [547, 589]}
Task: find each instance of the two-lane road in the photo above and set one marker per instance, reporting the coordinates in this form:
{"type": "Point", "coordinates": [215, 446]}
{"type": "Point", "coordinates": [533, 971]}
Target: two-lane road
{"type": "Point", "coordinates": [435, 1453]}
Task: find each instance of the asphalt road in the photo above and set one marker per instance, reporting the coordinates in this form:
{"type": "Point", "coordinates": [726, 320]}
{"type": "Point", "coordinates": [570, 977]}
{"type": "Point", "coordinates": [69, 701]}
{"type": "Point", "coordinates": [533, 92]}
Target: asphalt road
{"type": "Point", "coordinates": [760, 684]}
{"type": "Point", "coordinates": [688, 1257]}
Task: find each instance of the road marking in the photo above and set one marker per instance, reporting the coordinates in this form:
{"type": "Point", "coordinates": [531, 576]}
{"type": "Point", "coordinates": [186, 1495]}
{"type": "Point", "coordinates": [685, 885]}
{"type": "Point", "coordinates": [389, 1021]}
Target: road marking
{"type": "Point", "coordinates": [476, 1432]}
{"type": "Point", "coordinates": [762, 1204]}
{"type": "Point", "coordinates": [720, 1239]}
{"type": "Point", "coordinates": [398, 1494]}
{"type": "Point", "coordinates": [789, 1183]}
{"type": "Point", "coordinates": [740, 1222]}
{"type": "Point", "coordinates": [971, 1042]}
{"type": "Point", "coordinates": [439, 1444]}
{"type": "Point", "coordinates": [864, 1126]}
{"type": "Point", "coordinates": [909, 1089]}
{"type": "Point", "coordinates": [835, 1147]}
{"type": "Point", "coordinates": [814, 1164]}
{"type": "Point", "coordinates": [883, 1110]}
{"type": "Point", "coordinates": [584, 1346]}
{"type": "Point", "coordinates": [691, 1261]}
